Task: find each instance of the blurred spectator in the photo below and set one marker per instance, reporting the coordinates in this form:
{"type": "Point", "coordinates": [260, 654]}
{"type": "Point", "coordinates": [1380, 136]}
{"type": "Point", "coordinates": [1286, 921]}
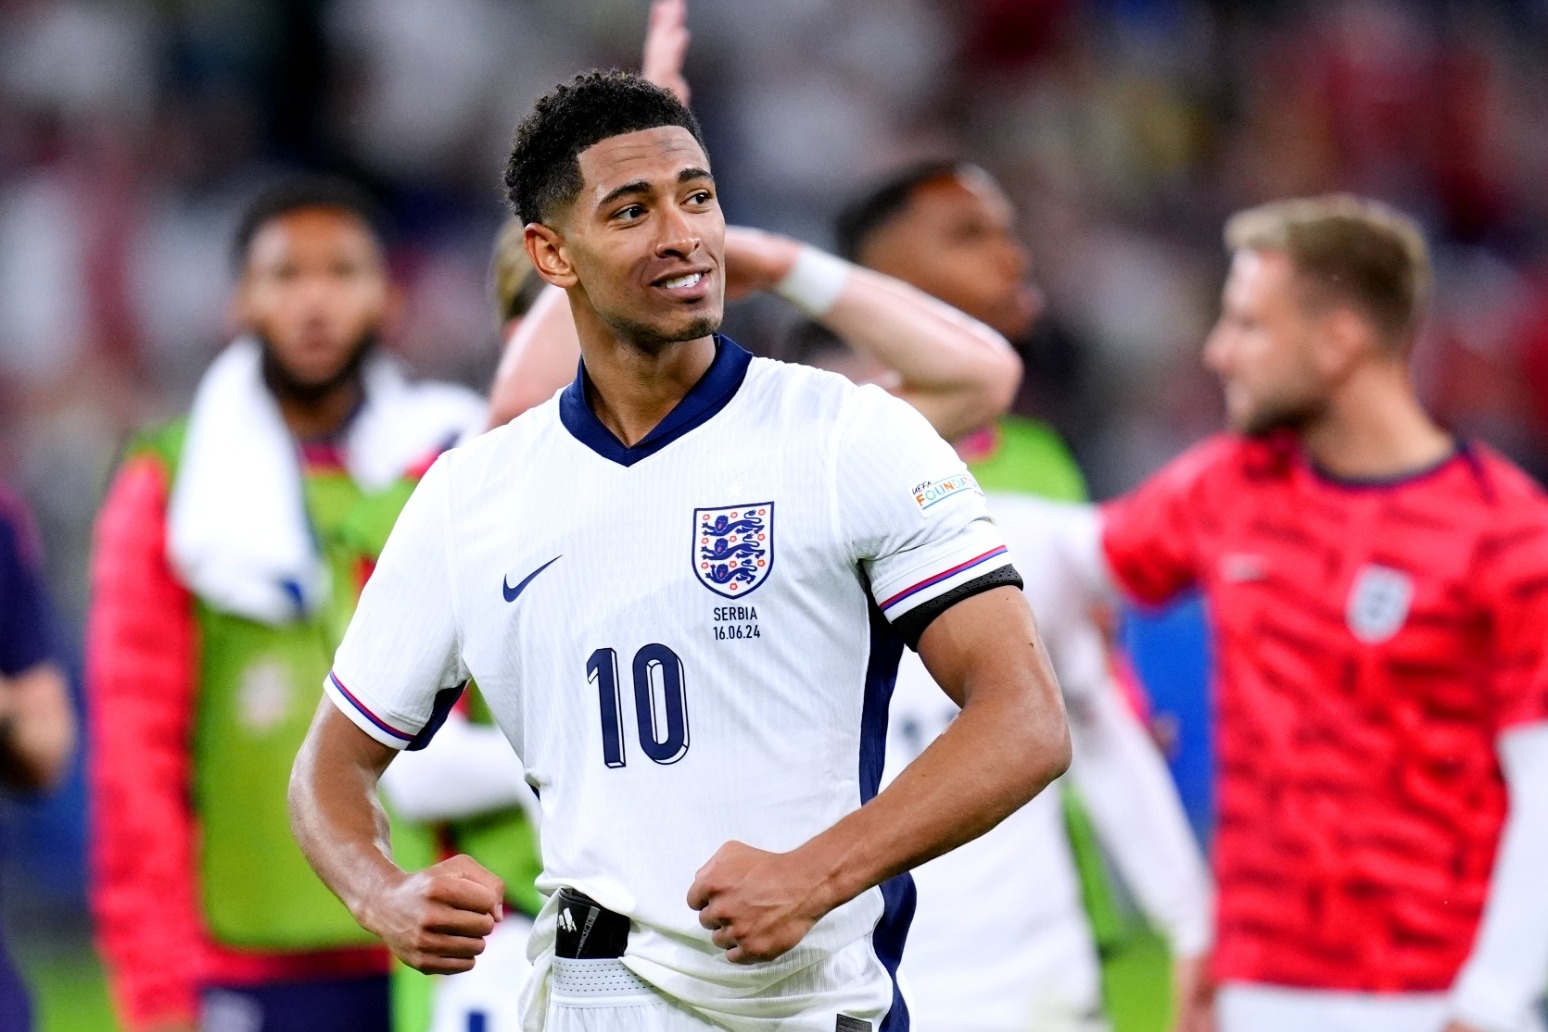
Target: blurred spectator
{"type": "Point", "coordinates": [226, 566]}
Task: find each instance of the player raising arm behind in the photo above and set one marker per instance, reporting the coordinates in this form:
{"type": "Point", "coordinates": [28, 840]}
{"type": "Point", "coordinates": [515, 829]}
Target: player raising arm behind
{"type": "Point", "coordinates": [710, 563]}
{"type": "Point", "coordinates": [957, 371]}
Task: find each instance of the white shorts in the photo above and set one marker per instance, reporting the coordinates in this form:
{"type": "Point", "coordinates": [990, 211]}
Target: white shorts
{"type": "Point", "coordinates": [605, 996]}
{"type": "Point", "coordinates": [1247, 1007]}
{"type": "Point", "coordinates": [489, 996]}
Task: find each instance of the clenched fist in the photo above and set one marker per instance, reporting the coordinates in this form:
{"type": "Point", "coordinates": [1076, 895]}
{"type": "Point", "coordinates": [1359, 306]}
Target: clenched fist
{"type": "Point", "coordinates": [435, 920]}
{"type": "Point", "coordinates": [756, 904]}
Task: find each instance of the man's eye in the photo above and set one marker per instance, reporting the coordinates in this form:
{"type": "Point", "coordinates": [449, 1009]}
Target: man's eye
{"type": "Point", "coordinates": [630, 213]}
{"type": "Point", "coordinates": [700, 197]}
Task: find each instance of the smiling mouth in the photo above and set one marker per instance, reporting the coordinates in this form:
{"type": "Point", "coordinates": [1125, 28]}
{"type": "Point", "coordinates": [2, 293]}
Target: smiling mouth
{"type": "Point", "coordinates": [691, 279]}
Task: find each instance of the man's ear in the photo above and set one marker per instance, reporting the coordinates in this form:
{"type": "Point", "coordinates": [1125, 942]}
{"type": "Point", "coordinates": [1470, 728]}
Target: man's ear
{"type": "Point", "coordinates": [549, 256]}
{"type": "Point", "coordinates": [1346, 337]}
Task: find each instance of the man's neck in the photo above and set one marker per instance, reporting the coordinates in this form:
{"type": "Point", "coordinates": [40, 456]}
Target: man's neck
{"type": "Point", "coordinates": [631, 388]}
{"type": "Point", "coordinates": [319, 418]}
{"type": "Point", "coordinates": [1375, 428]}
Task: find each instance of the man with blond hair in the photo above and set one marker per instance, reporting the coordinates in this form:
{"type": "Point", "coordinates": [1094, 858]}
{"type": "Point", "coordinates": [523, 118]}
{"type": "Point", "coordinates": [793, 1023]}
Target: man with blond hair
{"type": "Point", "coordinates": [1378, 591]}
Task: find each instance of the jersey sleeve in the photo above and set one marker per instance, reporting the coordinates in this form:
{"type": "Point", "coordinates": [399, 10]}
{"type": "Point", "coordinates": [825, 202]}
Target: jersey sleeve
{"type": "Point", "coordinates": [1514, 582]}
{"type": "Point", "coordinates": [912, 515]}
{"type": "Point", "coordinates": [399, 667]}
{"type": "Point", "coordinates": [1148, 535]}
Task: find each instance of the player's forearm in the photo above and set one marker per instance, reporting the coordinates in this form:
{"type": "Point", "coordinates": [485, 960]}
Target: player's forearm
{"type": "Point", "coordinates": [1130, 796]}
{"type": "Point", "coordinates": [957, 371]}
{"type": "Point", "coordinates": [1009, 741]}
{"type": "Point", "coordinates": [335, 816]}
{"type": "Point", "coordinates": [539, 360]}
{"type": "Point", "coordinates": [37, 730]}
{"type": "Point", "coordinates": [1504, 975]}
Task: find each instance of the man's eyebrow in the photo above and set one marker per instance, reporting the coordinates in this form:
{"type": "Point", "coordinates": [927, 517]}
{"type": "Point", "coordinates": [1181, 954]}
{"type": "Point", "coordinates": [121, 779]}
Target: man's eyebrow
{"type": "Point", "coordinates": [640, 186]}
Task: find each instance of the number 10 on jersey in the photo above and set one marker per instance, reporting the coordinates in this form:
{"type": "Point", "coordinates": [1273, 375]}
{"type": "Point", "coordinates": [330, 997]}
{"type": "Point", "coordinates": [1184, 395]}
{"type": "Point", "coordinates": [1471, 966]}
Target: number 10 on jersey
{"type": "Point", "coordinates": [660, 703]}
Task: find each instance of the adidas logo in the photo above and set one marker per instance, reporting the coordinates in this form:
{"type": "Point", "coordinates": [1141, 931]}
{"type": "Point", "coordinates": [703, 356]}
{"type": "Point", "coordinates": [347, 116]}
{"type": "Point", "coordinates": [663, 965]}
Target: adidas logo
{"type": "Point", "coordinates": [566, 922]}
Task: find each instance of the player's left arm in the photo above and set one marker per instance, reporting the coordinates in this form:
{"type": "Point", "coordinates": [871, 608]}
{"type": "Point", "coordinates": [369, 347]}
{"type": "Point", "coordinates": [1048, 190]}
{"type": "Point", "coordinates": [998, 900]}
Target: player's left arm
{"type": "Point", "coordinates": [985, 653]}
{"type": "Point", "coordinates": [938, 571]}
{"type": "Point", "coordinates": [1504, 975]}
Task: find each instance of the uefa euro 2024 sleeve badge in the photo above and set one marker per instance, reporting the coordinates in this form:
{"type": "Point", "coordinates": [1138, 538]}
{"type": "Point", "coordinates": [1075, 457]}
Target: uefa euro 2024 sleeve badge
{"type": "Point", "coordinates": [1378, 603]}
{"type": "Point", "coordinates": [733, 547]}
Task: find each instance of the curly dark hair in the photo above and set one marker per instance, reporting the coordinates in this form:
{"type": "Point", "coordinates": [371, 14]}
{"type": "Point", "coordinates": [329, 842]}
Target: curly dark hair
{"type": "Point", "coordinates": [543, 173]}
{"type": "Point", "coordinates": [303, 192]}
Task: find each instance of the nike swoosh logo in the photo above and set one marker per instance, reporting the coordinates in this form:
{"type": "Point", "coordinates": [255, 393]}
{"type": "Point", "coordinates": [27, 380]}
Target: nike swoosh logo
{"type": "Point", "coordinates": [511, 593]}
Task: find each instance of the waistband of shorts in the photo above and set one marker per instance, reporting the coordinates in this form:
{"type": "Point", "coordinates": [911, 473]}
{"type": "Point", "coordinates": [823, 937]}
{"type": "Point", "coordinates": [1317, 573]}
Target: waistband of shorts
{"type": "Point", "coordinates": [597, 979]}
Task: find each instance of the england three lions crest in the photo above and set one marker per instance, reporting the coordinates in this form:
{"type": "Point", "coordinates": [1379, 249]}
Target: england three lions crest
{"type": "Point", "coordinates": [733, 547]}
{"type": "Point", "coordinates": [1378, 603]}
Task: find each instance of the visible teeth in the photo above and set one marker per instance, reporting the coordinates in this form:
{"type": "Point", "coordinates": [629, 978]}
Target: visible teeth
{"type": "Point", "coordinates": [689, 280]}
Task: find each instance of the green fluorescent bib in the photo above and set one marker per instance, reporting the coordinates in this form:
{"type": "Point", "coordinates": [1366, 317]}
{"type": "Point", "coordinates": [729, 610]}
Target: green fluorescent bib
{"type": "Point", "coordinates": [257, 689]}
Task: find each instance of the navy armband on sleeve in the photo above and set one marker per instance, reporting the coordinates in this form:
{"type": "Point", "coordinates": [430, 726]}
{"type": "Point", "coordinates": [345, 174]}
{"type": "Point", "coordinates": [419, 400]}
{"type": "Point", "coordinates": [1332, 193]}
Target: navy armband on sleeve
{"type": "Point", "coordinates": [911, 625]}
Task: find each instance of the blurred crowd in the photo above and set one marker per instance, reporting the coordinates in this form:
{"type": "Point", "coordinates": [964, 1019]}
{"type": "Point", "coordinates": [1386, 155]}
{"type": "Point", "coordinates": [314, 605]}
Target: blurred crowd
{"type": "Point", "coordinates": [132, 132]}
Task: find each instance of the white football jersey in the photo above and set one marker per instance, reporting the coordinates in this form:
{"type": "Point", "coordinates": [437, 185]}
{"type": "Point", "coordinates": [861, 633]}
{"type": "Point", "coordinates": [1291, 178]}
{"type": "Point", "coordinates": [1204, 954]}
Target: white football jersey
{"type": "Point", "coordinates": [686, 641]}
{"type": "Point", "coordinates": [1000, 940]}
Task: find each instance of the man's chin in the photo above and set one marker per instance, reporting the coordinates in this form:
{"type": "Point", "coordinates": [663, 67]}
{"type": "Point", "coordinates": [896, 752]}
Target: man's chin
{"type": "Point", "coordinates": [1267, 422]}
{"type": "Point", "coordinates": [653, 337]}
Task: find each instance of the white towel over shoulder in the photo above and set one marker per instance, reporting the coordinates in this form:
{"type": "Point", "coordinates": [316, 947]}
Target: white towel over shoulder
{"type": "Point", "coordinates": [238, 533]}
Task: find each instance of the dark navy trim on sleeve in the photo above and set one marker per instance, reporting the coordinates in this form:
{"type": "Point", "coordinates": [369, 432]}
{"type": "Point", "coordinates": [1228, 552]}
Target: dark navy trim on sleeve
{"type": "Point", "coordinates": [911, 625]}
{"type": "Point", "coordinates": [898, 895]}
{"type": "Point", "coordinates": [702, 403]}
{"type": "Point", "coordinates": [365, 711]}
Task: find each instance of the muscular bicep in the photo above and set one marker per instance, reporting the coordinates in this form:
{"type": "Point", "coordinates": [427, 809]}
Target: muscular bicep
{"type": "Point", "coordinates": [989, 642]}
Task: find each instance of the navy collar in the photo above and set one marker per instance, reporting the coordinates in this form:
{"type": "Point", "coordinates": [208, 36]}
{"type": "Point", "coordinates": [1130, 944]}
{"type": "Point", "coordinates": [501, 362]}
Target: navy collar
{"type": "Point", "coordinates": [703, 401]}
{"type": "Point", "coordinates": [1459, 450]}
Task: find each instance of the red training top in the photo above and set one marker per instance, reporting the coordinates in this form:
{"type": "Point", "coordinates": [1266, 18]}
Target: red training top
{"type": "Point", "coordinates": [1372, 640]}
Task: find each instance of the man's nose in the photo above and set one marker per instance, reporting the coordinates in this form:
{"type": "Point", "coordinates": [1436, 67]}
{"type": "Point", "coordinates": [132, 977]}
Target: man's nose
{"type": "Point", "coordinates": [677, 236]}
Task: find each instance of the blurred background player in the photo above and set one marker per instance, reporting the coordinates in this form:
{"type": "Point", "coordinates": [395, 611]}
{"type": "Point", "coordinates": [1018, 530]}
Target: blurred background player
{"type": "Point", "coordinates": [1030, 959]}
{"type": "Point", "coordinates": [1378, 591]}
{"type": "Point", "coordinates": [947, 228]}
{"type": "Point", "coordinates": [37, 721]}
{"type": "Point", "coordinates": [225, 568]}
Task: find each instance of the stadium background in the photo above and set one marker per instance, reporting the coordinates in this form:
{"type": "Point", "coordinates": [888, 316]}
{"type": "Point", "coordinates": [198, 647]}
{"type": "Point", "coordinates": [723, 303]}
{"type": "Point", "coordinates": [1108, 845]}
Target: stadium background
{"type": "Point", "coordinates": [132, 131]}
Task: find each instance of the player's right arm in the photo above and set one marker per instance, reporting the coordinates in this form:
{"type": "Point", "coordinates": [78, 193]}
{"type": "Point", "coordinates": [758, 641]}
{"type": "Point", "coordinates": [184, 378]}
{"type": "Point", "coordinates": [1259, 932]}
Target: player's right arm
{"type": "Point", "coordinates": [396, 675]}
{"type": "Point", "coordinates": [433, 920]}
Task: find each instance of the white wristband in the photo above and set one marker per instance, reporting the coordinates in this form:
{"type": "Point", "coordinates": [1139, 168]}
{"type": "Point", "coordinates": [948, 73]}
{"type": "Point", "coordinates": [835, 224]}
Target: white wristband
{"type": "Point", "coordinates": [815, 282]}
